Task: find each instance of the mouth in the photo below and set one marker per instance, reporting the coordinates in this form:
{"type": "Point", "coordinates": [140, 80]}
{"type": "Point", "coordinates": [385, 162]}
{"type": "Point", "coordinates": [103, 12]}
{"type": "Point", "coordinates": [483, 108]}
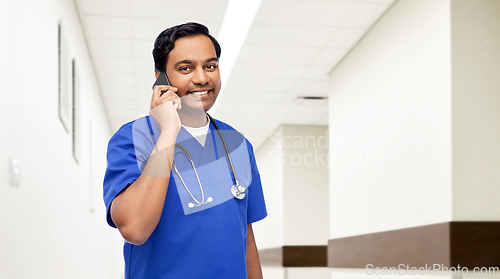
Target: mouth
{"type": "Point", "coordinates": [200, 93]}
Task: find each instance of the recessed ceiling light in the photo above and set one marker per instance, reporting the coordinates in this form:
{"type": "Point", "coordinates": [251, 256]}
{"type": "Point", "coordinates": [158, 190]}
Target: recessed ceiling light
{"type": "Point", "coordinates": [310, 101]}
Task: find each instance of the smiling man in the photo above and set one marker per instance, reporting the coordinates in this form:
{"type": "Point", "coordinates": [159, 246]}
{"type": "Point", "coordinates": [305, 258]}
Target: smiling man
{"type": "Point", "coordinates": [183, 188]}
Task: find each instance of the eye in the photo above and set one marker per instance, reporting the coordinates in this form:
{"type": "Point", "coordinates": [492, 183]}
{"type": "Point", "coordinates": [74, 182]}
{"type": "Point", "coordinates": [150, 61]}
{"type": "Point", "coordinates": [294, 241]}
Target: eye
{"type": "Point", "coordinates": [184, 69]}
{"type": "Point", "coordinates": [212, 66]}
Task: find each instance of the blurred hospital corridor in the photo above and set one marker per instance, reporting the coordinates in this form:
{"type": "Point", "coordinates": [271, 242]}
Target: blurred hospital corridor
{"type": "Point", "coordinates": [375, 126]}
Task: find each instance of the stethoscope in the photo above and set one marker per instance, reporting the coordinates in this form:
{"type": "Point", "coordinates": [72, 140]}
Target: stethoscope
{"type": "Point", "coordinates": [237, 190]}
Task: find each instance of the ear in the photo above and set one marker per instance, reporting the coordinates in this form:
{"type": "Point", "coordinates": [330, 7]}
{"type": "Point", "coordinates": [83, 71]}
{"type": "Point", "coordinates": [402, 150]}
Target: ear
{"type": "Point", "coordinates": [157, 73]}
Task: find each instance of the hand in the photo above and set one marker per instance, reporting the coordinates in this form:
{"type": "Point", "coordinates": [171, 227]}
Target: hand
{"type": "Point", "coordinates": [164, 106]}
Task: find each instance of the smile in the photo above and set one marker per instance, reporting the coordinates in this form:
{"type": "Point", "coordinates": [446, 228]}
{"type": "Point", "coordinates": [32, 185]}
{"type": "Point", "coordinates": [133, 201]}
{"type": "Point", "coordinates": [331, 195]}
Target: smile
{"type": "Point", "coordinates": [200, 93]}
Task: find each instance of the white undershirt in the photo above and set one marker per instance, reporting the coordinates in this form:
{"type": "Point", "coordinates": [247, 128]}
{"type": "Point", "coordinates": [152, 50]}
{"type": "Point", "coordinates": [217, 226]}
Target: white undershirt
{"type": "Point", "coordinates": [200, 133]}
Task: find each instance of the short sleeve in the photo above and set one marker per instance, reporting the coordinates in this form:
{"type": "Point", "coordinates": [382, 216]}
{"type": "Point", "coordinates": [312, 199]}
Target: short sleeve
{"type": "Point", "coordinates": [256, 204]}
{"type": "Point", "coordinates": [122, 167]}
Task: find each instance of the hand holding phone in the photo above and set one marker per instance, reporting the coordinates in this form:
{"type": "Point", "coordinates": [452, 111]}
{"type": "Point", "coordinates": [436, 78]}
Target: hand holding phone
{"type": "Point", "coordinates": [164, 106]}
{"type": "Point", "coordinates": [162, 80]}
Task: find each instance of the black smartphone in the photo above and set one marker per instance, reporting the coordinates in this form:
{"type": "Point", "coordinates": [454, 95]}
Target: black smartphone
{"type": "Point", "coordinates": [162, 80]}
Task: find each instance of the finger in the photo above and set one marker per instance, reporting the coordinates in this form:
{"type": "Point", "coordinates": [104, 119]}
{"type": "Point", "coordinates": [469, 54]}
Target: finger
{"type": "Point", "coordinates": [166, 98]}
{"type": "Point", "coordinates": [164, 88]}
{"type": "Point", "coordinates": [169, 94]}
{"type": "Point", "coordinates": [159, 90]}
{"type": "Point", "coordinates": [158, 93]}
{"type": "Point", "coordinates": [163, 92]}
{"type": "Point", "coordinates": [178, 103]}
{"type": "Point", "coordinates": [155, 95]}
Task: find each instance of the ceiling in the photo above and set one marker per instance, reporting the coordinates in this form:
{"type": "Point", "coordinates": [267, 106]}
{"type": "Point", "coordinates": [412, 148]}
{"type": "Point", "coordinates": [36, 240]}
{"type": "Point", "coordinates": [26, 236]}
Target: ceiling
{"type": "Point", "coordinates": [288, 52]}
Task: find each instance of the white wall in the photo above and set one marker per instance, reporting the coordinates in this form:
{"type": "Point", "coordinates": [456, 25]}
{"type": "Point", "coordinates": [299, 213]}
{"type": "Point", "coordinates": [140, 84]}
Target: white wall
{"type": "Point", "coordinates": [305, 184]}
{"type": "Point", "coordinates": [423, 85]}
{"type": "Point", "coordinates": [48, 228]}
{"type": "Point", "coordinates": [476, 109]}
{"type": "Point", "coordinates": [269, 233]}
{"type": "Point", "coordinates": [293, 165]}
{"type": "Point", "coordinates": [390, 124]}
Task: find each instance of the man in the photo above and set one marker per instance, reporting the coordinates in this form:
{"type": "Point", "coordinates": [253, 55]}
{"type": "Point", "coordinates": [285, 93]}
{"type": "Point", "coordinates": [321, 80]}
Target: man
{"type": "Point", "coordinates": [177, 215]}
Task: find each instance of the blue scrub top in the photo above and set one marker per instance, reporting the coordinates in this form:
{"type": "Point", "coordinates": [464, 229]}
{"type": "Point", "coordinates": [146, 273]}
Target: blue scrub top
{"type": "Point", "coordinates": [207, 241]}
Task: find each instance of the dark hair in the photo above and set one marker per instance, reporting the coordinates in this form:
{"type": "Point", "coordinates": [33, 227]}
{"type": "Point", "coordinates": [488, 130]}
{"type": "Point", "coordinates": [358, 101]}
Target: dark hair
{"type": "Point", "coordinates": [165, 42]}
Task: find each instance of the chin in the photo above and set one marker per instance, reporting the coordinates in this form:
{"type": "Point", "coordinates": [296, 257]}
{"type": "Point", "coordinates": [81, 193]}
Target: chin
{"type": "Point", "coordinates": [208, 106]}
{"type": "Point", "coordinates": [209, 103]}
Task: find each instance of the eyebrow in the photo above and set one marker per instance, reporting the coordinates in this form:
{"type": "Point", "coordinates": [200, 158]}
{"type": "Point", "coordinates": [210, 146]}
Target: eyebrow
{"type": "Point", "coordinates": [211, 60]}
{"type": "Point", "coordinates": [187, 61]}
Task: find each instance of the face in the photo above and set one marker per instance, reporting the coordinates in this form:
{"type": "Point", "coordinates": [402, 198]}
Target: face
{"type": "Point", "coordinates": [193, 68]}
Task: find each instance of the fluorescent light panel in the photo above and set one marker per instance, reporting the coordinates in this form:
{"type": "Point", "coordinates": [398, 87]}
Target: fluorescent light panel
{"type": "Point", "coordinates": [237, 21]}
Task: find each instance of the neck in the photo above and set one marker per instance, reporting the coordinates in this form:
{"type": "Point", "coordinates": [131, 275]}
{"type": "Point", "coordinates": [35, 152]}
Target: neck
{"type": "Point", "coordinates": [193, 120]}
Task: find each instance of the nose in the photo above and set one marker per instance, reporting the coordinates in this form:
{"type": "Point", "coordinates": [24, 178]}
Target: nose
{"type": "Point", "coordinates": [200, 77]}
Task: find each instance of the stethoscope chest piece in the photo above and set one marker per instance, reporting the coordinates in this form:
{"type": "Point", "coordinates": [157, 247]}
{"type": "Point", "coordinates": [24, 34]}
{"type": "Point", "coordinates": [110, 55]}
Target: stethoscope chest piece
{"type": "Point", "coordinates": [239, 191]}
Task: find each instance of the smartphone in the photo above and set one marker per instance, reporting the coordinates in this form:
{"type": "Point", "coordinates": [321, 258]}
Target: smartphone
{"type": "Point", "coordinates": [162, 80]}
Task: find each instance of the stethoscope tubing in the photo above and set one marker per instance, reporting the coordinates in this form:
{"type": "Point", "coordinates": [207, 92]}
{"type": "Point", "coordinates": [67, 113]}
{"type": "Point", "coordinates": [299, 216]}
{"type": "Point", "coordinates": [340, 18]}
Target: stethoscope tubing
{"type": "Point", "coordinates": [188, 155]}
{"type": "Point", "coordinates": [225, 147]}
{"type": "Point", "coordinates": [237, 190]}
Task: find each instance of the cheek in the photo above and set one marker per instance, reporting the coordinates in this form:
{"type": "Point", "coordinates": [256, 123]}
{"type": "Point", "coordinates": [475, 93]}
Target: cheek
{"type": "Point", "coordinates": [182, 84]}
{"type": "Point", "coordinates": [216, 78]}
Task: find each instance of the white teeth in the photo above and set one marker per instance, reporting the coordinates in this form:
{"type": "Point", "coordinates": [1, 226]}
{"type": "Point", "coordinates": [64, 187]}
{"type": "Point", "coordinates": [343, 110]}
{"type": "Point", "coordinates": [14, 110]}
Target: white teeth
{"type": "Point", "coordinates": [200, 93]}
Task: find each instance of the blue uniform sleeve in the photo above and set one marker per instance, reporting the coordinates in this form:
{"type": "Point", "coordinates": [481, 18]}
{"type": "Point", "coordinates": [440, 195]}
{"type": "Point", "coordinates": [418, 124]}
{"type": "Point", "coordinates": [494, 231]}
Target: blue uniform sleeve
{"type": "Point", "coordinates": [256, 204]}
{"type": "Point", "coordinates": [122, 168]}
